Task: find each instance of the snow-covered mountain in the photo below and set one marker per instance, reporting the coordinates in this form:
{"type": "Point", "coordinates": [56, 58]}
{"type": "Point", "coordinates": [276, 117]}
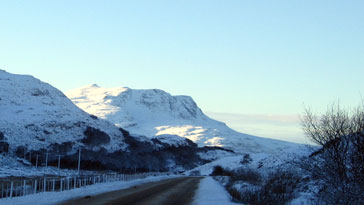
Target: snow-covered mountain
{"type": "Point", "coordinates": [155, 112]}
{"type": "Point", "coordinates": [36, 118]}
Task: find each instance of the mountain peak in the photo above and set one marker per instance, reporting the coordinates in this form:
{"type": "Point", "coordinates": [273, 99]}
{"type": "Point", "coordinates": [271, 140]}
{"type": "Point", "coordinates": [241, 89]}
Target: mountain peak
{"type": "Point", "coordinates": [92, 86]}
{"type": "Point", "coordinates": [122, 102]}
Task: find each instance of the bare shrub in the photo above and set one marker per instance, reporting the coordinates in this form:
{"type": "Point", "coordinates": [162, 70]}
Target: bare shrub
{"type": "Point", "coordinates": [278, 188]}
{"type": "Point", "coordinates": [248, 175]}
{"type": "Point", "coordinates": [339, 164]}
{"type": "Point", "coordinates": [234, 193]}
{"type": "Point", "coordinates": [220, 171]}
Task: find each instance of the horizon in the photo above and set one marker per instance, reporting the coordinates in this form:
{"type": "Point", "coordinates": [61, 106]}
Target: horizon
{"type": "Point", "coordinates": [244, 63]}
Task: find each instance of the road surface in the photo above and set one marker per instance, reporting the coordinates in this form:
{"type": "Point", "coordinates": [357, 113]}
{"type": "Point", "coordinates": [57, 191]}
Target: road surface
{"type": "Point", "coordinates": [178, 191]}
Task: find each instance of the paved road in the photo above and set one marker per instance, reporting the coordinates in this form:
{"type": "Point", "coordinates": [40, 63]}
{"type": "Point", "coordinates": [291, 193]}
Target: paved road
{"type": "Point", "coordinates": [178, 191]}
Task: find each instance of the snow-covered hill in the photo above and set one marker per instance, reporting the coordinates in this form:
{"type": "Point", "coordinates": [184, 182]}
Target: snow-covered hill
{"type": "Point", "coordinates": [155, 112]}
{"type": "Point", "coordinates": [35, 115]}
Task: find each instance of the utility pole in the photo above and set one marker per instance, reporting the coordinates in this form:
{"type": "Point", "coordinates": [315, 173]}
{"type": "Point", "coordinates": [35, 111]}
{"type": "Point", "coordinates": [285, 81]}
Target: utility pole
{"type": "Point", "coordinates": [59, 160]}
{"type": "Point", "coordinates": [24, 151]}
{"type": "Point", "coordinates": [47, 159]}
{"type": "Point", "coordinates": [79, 160]}
{"type": "Point", "coordinates": [36, 162]}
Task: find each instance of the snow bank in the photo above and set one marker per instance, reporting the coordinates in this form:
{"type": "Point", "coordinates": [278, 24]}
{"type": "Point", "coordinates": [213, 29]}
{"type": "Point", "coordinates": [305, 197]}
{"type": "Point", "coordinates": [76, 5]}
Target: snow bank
{"type": "Point", "coordinates": [210, 192]}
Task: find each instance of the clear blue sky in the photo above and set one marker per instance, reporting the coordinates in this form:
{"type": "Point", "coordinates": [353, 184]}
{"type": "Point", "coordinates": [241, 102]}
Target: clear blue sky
{"type": "Point", "coordinates": [247, 57]}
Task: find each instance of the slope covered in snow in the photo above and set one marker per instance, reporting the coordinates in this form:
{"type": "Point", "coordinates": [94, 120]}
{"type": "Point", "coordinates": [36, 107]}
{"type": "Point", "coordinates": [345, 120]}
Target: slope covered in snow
{"type": "Point", "coordinates": [35, 115]}
{"type": "Point", "coordinates": [263, 162]}
{"type": "Point", "coordinates": [155, 112]}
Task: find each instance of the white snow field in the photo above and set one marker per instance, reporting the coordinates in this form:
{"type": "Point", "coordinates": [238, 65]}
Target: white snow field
{"type": "Point", "coordinates": [155, 112]}
{"type": "Point", "coordinates": [210, 192]}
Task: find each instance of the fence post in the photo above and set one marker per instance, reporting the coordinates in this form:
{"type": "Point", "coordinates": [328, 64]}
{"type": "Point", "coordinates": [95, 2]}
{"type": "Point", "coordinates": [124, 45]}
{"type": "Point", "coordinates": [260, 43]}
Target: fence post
{"type": "Point", "coordinates": [61, 185]}
{"type": "Point", "coordinates": [24, 187]}
{"type": "Point", "coordinates": [54, 185]}
{"type": "Point", "coordinates": [35, 186]}
{"type": "Point", "coordinates": [45, 184]}
{"type": "Point", "coordinates": [79, 161]}
{"type": "Point", "coordinates": [2, 190]}
{"type": "Point", "coordinates": [47, 159]}
{"type": "Point", "coordinates": [11, 189]}
{"type": "Point", "coordinates": [36, 161]}
{"type": "Point", "coordinates": [75, 182]}
{"type": "Point", "coordinates": [68, 183]}
{"type": "Point", "coordinates": [17, 190]}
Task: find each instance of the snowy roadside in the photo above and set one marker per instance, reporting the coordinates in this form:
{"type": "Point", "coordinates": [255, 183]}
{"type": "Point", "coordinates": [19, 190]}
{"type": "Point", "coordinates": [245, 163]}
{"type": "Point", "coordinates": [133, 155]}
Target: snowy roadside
{"type": "Point", "coordinates": [57, 197]}
{"type": "Point", "coordinates": [210, 192]}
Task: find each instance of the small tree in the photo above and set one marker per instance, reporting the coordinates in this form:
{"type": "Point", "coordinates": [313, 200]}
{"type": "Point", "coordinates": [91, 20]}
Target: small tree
{"type": "Point", "coordinates": [218, 171]}
{"type": "Point", "coordinates": [339, 163]}
{"type": "Point", "coordinates": [246, 159]}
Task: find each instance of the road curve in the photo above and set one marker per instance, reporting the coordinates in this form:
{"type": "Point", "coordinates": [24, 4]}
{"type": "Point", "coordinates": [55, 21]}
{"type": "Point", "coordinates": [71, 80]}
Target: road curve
{"type": "Point", "coordinates": [178, 191]}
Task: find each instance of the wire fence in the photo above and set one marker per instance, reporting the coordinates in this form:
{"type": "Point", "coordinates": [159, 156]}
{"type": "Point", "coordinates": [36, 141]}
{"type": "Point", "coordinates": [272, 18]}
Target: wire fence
{"type": "Point", "coordinates": [15, 188]}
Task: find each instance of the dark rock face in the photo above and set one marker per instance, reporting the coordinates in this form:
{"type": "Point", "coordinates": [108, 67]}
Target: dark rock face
{"type": "Point", "coordinates": [20, 151]}
{"type": "Point", "coordinates": [124, 132]}
{"type": "Point", "coordinates": [95, 137]}
{"type": "Point", "coordinates": [94, 117]}
{"type": "Point", "coordinates": [4, 147]}
{"type": "Point", "coordinates": [39, 92]}
{"type": "Point", "coordinates": [205, 149]}
{"type": "Point", "coordinates": [2, 137]}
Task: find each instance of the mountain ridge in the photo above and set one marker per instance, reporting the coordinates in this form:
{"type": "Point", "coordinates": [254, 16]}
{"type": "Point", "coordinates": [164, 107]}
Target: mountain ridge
{"type": "Point", "coordinates": [153, 112]}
